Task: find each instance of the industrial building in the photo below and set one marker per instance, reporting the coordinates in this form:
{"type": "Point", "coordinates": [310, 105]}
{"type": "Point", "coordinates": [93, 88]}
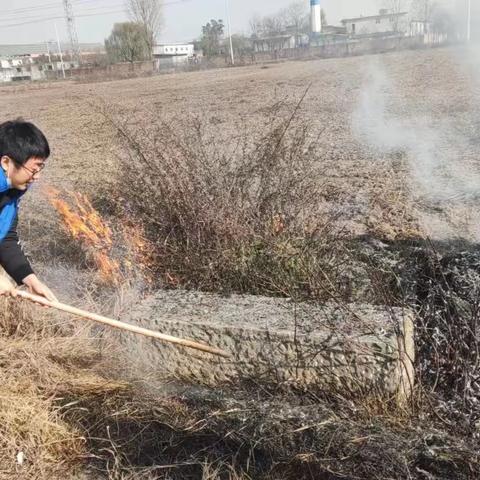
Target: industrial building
{"type": "Point", "coordinates": [385, 23]}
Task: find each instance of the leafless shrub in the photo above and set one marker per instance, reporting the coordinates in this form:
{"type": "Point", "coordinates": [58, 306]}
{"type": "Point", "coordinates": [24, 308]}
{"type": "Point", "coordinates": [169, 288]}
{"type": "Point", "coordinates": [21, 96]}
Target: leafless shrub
{"type": "Point", "coordinates": [439, 282]}
{"type": "Point", "coordinates": [448, 337]}
{"type": "Point", "coordinates": [249, 216]}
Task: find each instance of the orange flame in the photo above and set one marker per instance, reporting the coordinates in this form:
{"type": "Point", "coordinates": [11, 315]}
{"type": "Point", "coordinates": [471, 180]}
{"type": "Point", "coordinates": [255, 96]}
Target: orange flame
{"type": "Point", "coordinates": [84, 223]}
{"type": "Point", "coordinates": [141, 249]}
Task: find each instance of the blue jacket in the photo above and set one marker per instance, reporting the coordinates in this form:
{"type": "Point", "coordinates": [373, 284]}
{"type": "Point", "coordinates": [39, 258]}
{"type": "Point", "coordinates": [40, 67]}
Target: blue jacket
{"type": "Point", "coordinates": [12, 258]}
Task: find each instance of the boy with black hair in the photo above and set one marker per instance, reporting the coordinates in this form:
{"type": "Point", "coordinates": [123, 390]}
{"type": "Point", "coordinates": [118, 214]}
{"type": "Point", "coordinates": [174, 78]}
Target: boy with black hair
{"type": "Point", "coordinates": [23, 151]}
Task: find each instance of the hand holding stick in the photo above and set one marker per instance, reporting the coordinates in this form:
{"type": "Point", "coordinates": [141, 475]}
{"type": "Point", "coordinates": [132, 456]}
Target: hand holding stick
{"type": "Point", "coordinates": [120, 325]}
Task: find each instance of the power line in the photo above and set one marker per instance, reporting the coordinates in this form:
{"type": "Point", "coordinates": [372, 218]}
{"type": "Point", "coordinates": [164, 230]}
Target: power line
{"type": "Point", "coordinates": [47, 19]}
{"type": "Point", "coordinates": [39, 10]}
{"type": "Point", "coordinates": [45, 6]}
{"type": "Point", "coordinates": [59, 17]}
{"type": "Point", "coordinates": [40, 16]}
{"type": "Point", "coordinates": [75, 3]}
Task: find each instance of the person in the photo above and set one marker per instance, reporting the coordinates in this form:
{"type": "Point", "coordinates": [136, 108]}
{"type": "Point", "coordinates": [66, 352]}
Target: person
{"type": "Point", "coordinates": [23, 152]}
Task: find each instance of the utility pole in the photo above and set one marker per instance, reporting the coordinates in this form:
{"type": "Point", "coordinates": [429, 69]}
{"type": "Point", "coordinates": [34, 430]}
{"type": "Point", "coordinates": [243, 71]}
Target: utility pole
{"type": "Point", "coordinates": [72, 31]}
{"type": "Point", "coordinates": [469, 19]}
{"type": "Point", "coordinates": [227, 11]}
{"type": "Point", "coordinates": [48, 52]}
{"type": "Point", "coordinates": [60, 50]}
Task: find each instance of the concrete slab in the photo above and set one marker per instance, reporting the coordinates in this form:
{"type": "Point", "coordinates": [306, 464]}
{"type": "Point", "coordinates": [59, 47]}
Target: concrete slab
{"type": "Point", "coordinates": [352, 348]}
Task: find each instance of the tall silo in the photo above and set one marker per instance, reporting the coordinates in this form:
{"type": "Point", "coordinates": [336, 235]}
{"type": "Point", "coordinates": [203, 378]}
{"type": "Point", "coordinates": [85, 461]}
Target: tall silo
{"type": "Point", "coordinates": [316, 20]}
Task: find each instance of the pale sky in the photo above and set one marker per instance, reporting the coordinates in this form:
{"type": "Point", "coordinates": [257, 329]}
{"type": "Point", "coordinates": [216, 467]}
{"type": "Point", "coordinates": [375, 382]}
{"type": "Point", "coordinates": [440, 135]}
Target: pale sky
{"type": "Point", "coordinates": [183, 19]}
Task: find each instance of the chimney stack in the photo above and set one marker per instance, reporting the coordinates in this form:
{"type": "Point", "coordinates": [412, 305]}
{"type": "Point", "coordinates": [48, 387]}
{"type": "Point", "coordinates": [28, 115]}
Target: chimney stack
{"type": "Point", "coordinates": [316, 21]}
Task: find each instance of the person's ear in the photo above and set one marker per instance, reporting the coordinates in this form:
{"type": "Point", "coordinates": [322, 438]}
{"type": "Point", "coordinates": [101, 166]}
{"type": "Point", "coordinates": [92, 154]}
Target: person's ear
{"type": "Point", "coordinates": [5, 163]}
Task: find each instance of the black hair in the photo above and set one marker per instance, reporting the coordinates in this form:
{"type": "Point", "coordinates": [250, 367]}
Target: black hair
{"type": "Point", "coordinates": [21, 141]}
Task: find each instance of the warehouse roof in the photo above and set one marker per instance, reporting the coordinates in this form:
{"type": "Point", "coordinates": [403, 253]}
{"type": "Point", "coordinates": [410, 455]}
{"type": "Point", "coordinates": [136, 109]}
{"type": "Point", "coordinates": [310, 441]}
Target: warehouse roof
{"type": "Point", "coordinates": [42, 48]}
{"type": "Point", "coordinates": [374, 17]}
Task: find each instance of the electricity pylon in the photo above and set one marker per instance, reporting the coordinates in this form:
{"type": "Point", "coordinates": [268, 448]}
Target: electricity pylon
{"type": "Point", "coordinates": [72, 31]}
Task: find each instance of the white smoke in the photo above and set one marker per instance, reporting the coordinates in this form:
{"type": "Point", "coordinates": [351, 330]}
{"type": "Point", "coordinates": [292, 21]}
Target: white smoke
{"type": "Point", "coordinates": [444, 181]}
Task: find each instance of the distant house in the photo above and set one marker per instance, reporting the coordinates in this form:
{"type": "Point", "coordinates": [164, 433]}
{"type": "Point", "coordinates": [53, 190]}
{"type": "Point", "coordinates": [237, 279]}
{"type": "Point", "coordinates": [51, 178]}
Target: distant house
{"type": "Point", "coordinates": [172, 54]}
{"type": "Point", "coordinates": [377, 25]}
{"type": "Point", "coordinates": [57, 66]}
{"type": "Point", "coordinates": [38, 61]}
{"type": "Point", "coordinates": [25, 68]}
{"type": "Point", "coordinates": [6, 70]}
{"type": "Point", "coordinates": [13, 69]}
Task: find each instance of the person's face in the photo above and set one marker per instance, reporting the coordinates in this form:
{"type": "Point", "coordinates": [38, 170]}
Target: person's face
{"type": "Point", "coordinates": [21, 176]}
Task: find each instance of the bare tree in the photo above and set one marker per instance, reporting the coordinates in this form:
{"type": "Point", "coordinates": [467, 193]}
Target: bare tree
{"type": "Point", "coordinates": [272, 25]}
{"type": "Point", "coordinates": [255, 24]}
{"type": "Point", "coordinates": [293, 18]}
{"type": "Point", "coordinates": [395, 7]}
{"type": "Point", "coordinates": [149, 14]}
{"type": "Point", "coordinates": [323, 17]}
{"type": "Point", "coordinates": [421, 10]}
{"type": "Point", "coordinates": [296, 17]}
{"type": "Point", "coordinates": [242, 45]}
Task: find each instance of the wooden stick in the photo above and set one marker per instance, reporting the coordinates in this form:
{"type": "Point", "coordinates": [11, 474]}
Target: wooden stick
{"type": "Point", "coordinates": [120, 325]}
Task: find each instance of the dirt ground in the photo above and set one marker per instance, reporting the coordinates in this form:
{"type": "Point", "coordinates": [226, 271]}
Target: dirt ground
{"type": "Point", "coordinates": [356, 104]}
{"type": "Point", "coordinates": [398, 138]}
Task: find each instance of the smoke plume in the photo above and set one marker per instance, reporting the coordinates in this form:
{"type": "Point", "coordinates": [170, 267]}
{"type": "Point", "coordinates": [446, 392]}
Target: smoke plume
{"type": "Point", "coordinates": [439, 146]}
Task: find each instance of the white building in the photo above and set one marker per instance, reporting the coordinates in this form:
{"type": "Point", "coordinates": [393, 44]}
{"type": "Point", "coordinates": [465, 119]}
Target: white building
{"type": "Point", "coordinates": [383, 23]}
{"type": "Point", "coordinates": [171, 54]}
{"type": "Point", "coordinates": [57, 66]}
{"type": "Point", "coordinates": [14, 69]}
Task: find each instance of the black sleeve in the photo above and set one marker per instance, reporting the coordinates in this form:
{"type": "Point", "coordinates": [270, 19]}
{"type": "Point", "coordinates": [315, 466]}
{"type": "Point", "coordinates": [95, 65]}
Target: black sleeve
{"type": "Point", "coordinates": [12, 258]}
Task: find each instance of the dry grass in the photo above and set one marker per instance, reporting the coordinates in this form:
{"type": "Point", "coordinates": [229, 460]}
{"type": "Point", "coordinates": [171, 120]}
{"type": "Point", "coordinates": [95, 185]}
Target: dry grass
{"type": "Point", "coordinates": [64, 406]}
{"type": "Point", "coordinates": [64, 410]}
{"type": "Point", "coordinates": [43, 367]}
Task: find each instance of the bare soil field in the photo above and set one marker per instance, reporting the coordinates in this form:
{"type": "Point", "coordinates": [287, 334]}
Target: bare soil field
{"type": "Point", "coordinates": [380, 193]}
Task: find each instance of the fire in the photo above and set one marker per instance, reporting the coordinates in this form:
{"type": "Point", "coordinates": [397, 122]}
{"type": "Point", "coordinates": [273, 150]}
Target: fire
{"type": "Point", "coordinates": [84, 223]}
{"type": "Point", "coordinates": [141, 251]}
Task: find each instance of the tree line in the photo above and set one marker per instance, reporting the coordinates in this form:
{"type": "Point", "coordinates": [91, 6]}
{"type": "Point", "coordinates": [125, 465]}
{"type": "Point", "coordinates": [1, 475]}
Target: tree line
{"type": "Point", "coordinates": [134, 40]}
